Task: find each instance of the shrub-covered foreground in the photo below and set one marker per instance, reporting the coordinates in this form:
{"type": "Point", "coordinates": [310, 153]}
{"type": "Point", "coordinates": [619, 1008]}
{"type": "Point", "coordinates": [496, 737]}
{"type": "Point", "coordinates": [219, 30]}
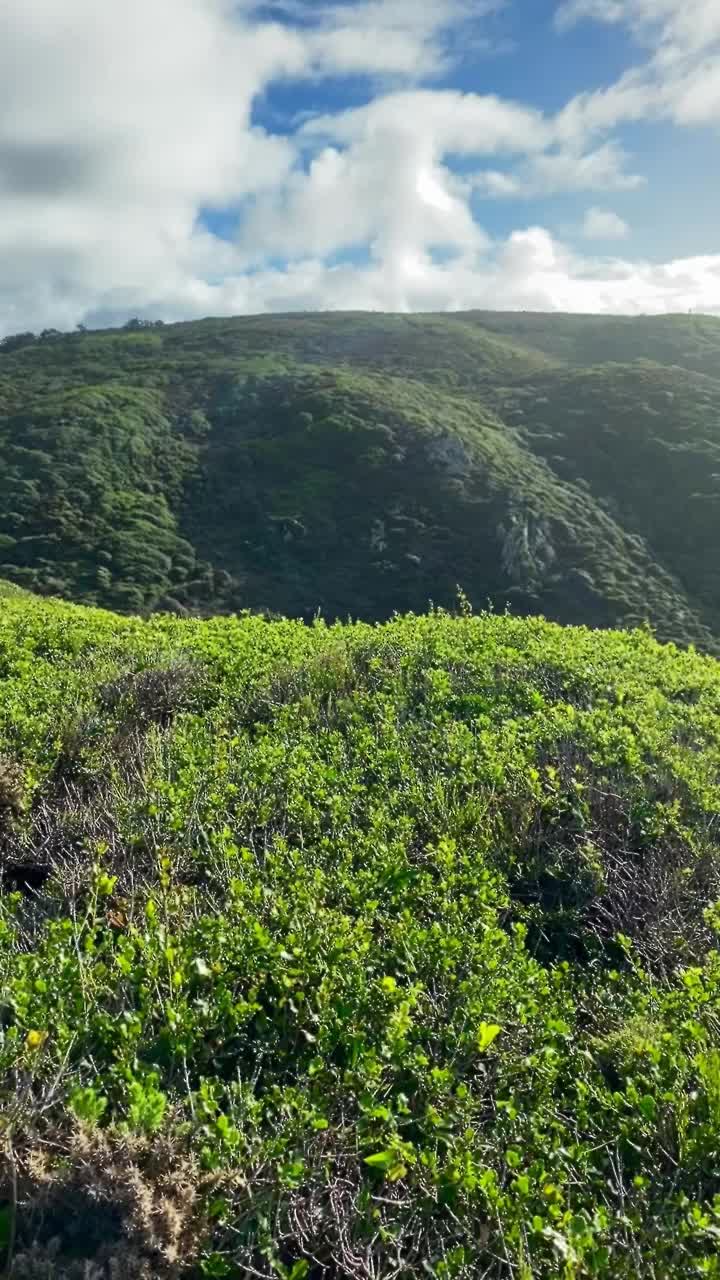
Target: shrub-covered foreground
{"type": "Point", "coordinates": [358, 951]}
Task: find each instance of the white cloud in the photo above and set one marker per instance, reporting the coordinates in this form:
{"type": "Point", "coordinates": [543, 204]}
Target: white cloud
{"type": "Point", "coordinates": [603, 224]}
{"type": "Point", "coordinates": [529, 270]}
{"type": "Point", "coordinates": [121, 122]}
{"type": "Point", "coordinates": [696, 94]}
{"type": "Point", "coordinates": [684, 24]}
{"type": "Point", "coordinates": [497, 185]}
{"type": "Point", "coordinates": [401, 37]}
{"type": "Point", "coordinates": [570, 169]}
{"type": "Point", "coordinates": [152, 91]}
{"type": "Point", "coordinates": [465, 123]}
{"type": "Point", "coordinates": [380, 178]}
{"type": "Point", "coordinates": [117, 123]}
{"type": "Point", "coordinates": [681, 79]}
{"type": "Point", "coordinates": [563, 168]}
{"type": "Point", "coordinates": [389, 195]}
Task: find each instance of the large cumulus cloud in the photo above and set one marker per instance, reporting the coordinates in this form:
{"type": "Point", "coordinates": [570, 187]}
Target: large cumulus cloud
{"type": "Point", "coordinates": [121, 123]}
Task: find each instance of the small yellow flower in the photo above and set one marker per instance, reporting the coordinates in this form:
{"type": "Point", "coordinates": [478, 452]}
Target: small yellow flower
{"type": "Point", "coordinates": [35, 1039]}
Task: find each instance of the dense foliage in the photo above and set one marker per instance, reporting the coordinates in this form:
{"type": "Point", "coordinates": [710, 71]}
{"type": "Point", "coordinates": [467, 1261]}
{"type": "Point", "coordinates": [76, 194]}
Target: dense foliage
{"type": "Point", "coordinates": [360, 951]}
{"type": "Point", "coordinates": [356, 464]}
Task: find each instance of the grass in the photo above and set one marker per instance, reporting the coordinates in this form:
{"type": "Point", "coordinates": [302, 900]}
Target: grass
{"type": "Point", "coordinates": [356, 951]}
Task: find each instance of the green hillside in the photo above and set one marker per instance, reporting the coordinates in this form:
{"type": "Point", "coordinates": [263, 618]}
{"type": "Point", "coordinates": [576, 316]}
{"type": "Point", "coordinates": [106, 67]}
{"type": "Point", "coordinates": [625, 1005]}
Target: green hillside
{"type": "Point", "coordinates": [356, 464]}
{"type": "Point", "coordinates": [691, 342]}
{"type": "Point", "coordinates": [646, 442]}
{"type": "Point", "coordinates": [355, 952]}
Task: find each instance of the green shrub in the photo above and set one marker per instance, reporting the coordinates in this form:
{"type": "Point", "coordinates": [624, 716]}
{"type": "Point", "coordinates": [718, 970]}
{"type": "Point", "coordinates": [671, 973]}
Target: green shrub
{"type": "Point", "coordinates": [390, 951]}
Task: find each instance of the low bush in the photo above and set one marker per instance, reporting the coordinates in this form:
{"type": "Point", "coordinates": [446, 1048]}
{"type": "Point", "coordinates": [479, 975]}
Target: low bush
{"type": "Point", "coordinates": [384, 952]}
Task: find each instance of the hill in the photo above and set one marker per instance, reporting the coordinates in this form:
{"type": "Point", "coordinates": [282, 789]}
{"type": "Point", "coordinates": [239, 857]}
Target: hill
{"type": "Point", "coordinates": [356, 952]}
{"type": "Point", "coordinates": [689, 342]}
{"type": "Point", "coordinates": [359, 463]}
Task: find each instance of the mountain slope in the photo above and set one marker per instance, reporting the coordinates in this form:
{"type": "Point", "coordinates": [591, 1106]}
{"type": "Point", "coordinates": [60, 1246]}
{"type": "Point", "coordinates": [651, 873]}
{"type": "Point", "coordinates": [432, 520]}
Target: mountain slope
{"type": "Point", "coordinates": [359, 464]}
{"type": "Point", "coordinates": [645, 440]}
{"type": "Point", "coordinates": [366, 494]}
{"type": "Point", "coordinates": [691, 342]}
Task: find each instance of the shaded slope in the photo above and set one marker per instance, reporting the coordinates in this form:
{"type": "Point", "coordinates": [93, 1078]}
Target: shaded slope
{"type": "Point", "coordinates": [646, 442]}
{"type": "Point", "coordinates": [361, 495]}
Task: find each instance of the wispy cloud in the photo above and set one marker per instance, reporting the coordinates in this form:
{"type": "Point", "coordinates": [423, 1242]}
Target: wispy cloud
{"type": "Point", "coordinates": [603, 224]}
{"type": "Point", "coordinates": [679, 80]}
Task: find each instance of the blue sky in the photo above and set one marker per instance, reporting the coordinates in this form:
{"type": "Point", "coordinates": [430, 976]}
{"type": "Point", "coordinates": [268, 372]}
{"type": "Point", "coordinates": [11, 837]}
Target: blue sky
{"type": "Point", "coordinates": [176, 158]}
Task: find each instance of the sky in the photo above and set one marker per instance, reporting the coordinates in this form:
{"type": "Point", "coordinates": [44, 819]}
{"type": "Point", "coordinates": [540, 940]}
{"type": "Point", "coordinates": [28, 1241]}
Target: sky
{"type": "Point", "coordinates": [172, 159]}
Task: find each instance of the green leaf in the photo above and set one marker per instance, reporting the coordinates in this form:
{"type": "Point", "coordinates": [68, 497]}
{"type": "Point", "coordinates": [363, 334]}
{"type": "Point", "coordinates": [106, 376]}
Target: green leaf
{"type": "Point", "coordinates": [216, 1266]}
{"type": "Point", "coordinates": [488, 1032]}
{"type": "Point", "coordinates": [648, 1106]}
{"type": "Point", "coordinates": [381, 1159]}
{"type": "Point", "coordinates": [87, 1104]}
